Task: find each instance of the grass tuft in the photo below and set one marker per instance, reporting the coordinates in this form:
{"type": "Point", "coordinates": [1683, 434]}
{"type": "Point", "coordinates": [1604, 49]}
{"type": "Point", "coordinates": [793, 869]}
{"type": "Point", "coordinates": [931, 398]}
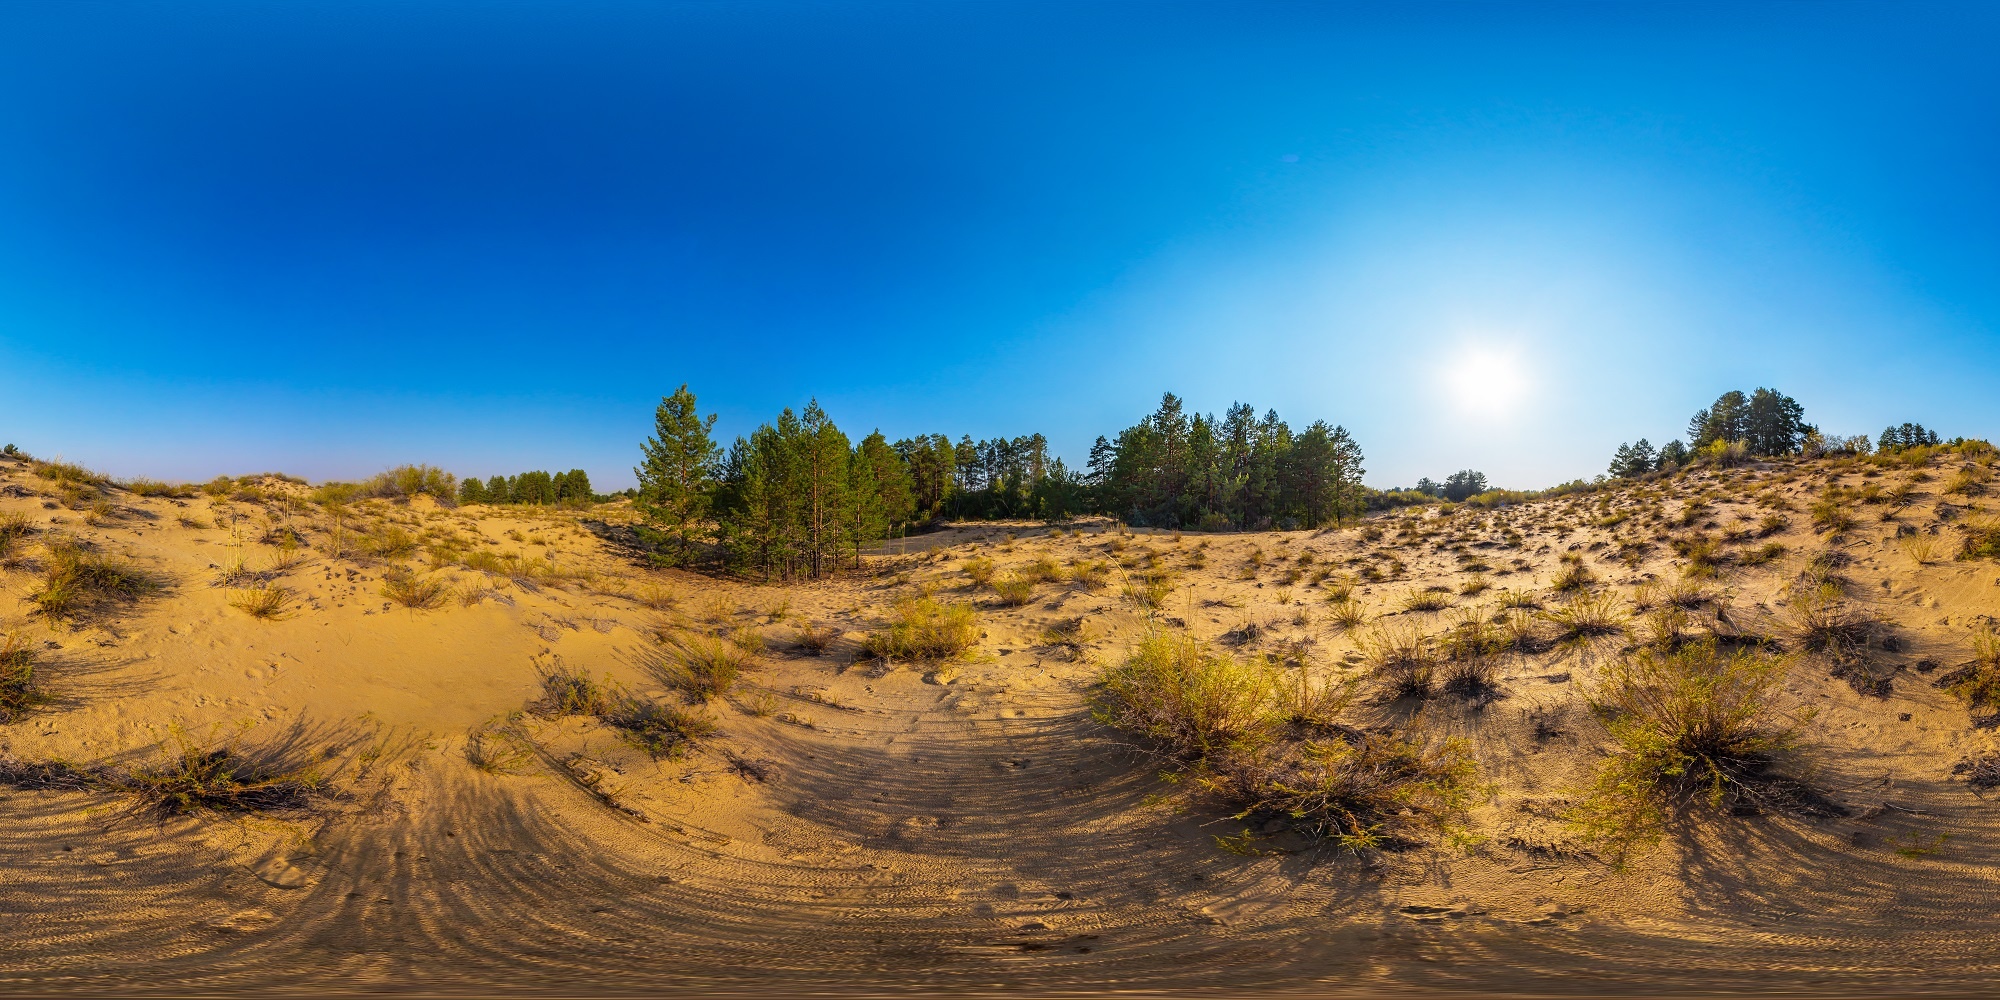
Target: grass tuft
{"type": "Point", "coordinates": [267, 602]}
{"type": "Point", "coordinates": [415, 592]}
{"type": "Point", "coordinates": [925, 629]}
{"type": "Point", "coordinates": [21, 689]}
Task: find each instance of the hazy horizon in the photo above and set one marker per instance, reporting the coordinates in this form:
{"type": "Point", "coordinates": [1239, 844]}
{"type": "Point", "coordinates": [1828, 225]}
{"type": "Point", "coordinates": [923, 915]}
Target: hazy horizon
{"type": "Point", "coordinates": [325, 239]}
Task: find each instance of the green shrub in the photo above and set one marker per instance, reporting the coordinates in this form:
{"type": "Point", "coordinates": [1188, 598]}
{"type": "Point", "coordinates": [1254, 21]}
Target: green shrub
{"type": "Point", "coordinates": [924, 629]}
{"type": "Point", "coordinates": [21, 689]}
{"type": "Point", "coordinates": [1691, 726]}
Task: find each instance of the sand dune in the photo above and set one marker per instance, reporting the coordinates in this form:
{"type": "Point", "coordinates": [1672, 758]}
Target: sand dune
{"type": "Point", "coordinates": [861, 824]}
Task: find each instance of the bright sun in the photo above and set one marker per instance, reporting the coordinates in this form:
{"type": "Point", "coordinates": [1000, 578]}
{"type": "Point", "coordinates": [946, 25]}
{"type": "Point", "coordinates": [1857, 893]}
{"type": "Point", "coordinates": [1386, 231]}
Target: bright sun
{"type": "Point", "coordinates": [1487, 381]}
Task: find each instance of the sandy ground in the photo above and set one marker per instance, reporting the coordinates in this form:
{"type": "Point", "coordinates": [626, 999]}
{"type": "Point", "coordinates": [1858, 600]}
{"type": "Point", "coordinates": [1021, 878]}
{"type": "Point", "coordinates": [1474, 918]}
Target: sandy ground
{"type": "Point", "coordinates": [862, 826]}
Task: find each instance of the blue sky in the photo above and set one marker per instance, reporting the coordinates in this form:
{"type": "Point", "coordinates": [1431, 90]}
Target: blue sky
{"type": "Point", "coordinates": [330, 238]}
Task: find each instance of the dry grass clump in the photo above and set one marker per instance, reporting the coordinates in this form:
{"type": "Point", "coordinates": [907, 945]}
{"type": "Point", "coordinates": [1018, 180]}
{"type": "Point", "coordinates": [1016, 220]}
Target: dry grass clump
{"type": "Point", "coordinates": [1346, 615]}
{"type": "Point", "coordinates": [1475, 586]}
{"type": "Point", "coordinates": [1426, 600]}
{"type": "Point", "coordinates": [1820, 619]}
{"type": "Point", "coordinates": [1923, 548]}
{"type": "Point", "coordinates": [702, 667]}
{"type": "Point", "coordinates": [69, 474]}
{"type": "Point", "coordinates": [567, 690]}
{"type": "Point", "coordinates": [415, 592]}
{"type": "Point", "coordinates": [652, 594]}
{"type": "Point", "coordinates": [267, 602]}
{"type": "Point", "coordinates": [1573, 576]}
{"type": "Point", "coordinates": [814, 639]}
{"type": "Point", "coordinates": [1981, 541]}
{"type": "Point", "coordinates": [662, 730]}
{"type": "Point", "coordinates": [925, 629]}
{"type": "Point", "coordinates": [1585, 616]}
{"type": "Point", "coordinates": [1014, 591]}
{"type": "Point", "coordinates": [154, 488]}
{"type": "Point", "coordinates": [1089, 574]}
{"type": "Point", "coordinates": [1978, 682]}
{"type": "Point", "coordinates": [21, 689]}
{"type": "Point", "coordinates": [1404, 659]}
{"type": "Point", "coordinates": [1043, 570]}
{"type": "Point", "coordinates": [228, 775]}
{"type": "Point", "coordinates": [76, 579]}
{"type": "Point", "coordinates": [1831, 516]}
{"type": "Point", "coordinates": [979, 570]}
{"type": "Point", "coordinates": [1273, 749]}
{"type": "Point", "coordinates": [1692, 726]}
{"type": "Point", "coordinates": [387, 541]}
{"type": "Point", "coordinates": [14, 526]}
{"type": "Point", "coordinates": [1149, 590]}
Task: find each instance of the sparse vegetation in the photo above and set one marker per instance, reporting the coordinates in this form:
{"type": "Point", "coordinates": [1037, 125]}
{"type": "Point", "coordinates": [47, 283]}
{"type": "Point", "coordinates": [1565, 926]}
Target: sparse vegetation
{"type": "Point", "coordinates": [268, 602]}
{"type": "Point", "coordinates": [77, 579]}
{"type": "Point", "coordinates": [418, 593]}
{"type": "Point", "coordinates": [21, 688]}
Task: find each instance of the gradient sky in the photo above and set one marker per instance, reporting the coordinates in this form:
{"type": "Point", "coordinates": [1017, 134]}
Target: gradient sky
{"type": "Point", "coordinates": [325, 239]}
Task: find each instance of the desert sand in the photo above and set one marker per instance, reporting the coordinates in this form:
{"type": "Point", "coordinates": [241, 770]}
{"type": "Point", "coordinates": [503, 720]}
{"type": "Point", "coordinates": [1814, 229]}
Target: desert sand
{"type": "Point", "coordinates": [860, 824]}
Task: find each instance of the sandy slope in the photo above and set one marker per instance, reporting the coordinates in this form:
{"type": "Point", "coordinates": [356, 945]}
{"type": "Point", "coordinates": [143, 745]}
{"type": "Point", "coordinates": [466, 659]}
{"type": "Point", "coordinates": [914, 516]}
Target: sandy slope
{"type": "Point", "coordinates": [897, 827]}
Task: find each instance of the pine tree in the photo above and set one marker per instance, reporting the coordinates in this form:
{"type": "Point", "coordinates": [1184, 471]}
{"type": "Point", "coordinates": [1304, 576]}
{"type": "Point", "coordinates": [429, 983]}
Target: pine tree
{"type": "Point", "coordinates": [823, 461]}
{"type": "Point", "coordinates": [878, 491]}
{"type": "Point", "coordinates": [496, 490]}
{"type": "Point", "coordinates": [677, 474]}
{"type": "Point", "coordinates": [471, 490]}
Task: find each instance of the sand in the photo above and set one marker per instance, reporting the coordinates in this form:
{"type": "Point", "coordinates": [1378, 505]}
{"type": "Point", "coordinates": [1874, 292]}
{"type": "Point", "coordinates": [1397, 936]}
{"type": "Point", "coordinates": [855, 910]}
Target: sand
{"type": "Point", "coordinates": [858, 825]}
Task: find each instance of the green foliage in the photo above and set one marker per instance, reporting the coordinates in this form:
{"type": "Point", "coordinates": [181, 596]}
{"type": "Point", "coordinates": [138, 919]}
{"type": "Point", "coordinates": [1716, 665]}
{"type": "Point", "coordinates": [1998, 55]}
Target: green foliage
{"type": "Point", "coordinates": [21, 689]}
{"type": "Point", "coordinates": [407, 481]}
{"type": "Point", "coordinates": [1272, 746]}
{"type": "Point", "coordinates": [1173, 469]}
{"type": "Point", "coordinates": [77, 579]}
{"type": "Point", "coordinates": [925, 629]}
{"type": "Point", "coordinates": [1691, 726]}
{"type": "Point", "coordinates": [677, 475]}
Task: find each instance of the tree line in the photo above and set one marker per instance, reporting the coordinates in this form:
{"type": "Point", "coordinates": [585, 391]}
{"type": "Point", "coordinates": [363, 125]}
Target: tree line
{"type": "Point", "coordinates": [528, 488]}
{"type": "Point", "coordinates": [798, 498]}
{"type": "Point", "coordinates": [1764, 424]}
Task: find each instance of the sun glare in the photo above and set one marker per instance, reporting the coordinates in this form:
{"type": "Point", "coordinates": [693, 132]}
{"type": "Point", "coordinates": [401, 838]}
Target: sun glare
{"type": "Point", "coordinates": [1485, 380]}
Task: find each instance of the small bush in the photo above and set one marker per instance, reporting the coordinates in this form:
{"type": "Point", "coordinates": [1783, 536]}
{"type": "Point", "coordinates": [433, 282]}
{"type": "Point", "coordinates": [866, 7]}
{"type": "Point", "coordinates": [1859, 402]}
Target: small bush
{"type": "Point", "coordinates": [1149, 590]}
{"type": "Point", "coordinates": [568, 691]}
{"type": "Point", "coordinates": [1573, 576]}
{"type": "Point", "coordinates": [69, 473]}
{"type": "Point", "coordinates": [660, 729]}
{"type": "Point", "coordinates": [815, 639]}
{"type": "Point", "coordinates": [924, 629]}
{"type": "Point", "coordinates": [1014, 591]}
{"type": "Point", "coordinates": [1830, 516]}
{"type": "Point", "coordinates": [1043, 570]}
{"type": "Point", "coordinates": [155, 488]}
{"type": "Point", "coordinates": [1090, 575]}
{"type": "Point", "coordinates": [702, 668]}
{"type": "Point", "coordinates": [1404, 659]}
{"type": "Point", "coordinates": [1982, 541]}
{"type": "Point", "coordinates": [1691, 726]}
{"type": "Point", "coordinates": [1426, 600]}
{"type": "Point", "coordinates": [21, 688]}
{"type": "Point", "coordinates": [1978, 682]}
{"type": "Point", "coordinates": [228, 775]}
{"type": "Point", "coordinates": [1822, 620]}
{"type": "Point", "coordinates": [387, 541]}
{"type": "Point", "coordinates": [1346, 615]}
{"type": "Point", "coordinates": [1584, 616]}
{"type": "Point", "coordinates": [76, 580]}
{"type": "Point", "coordinates": [979, 570]}
{"type": "Point", "coordinates": [415, 592]}
{"type": "Point", "coordinates": [267, 602]}
{"type": "Point", "coordinates": [1191, 701]}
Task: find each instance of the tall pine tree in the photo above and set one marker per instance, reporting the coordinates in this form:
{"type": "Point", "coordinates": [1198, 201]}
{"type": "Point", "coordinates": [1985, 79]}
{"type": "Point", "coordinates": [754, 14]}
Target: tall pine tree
{"type": "Point", "coordinates": [677, 475]}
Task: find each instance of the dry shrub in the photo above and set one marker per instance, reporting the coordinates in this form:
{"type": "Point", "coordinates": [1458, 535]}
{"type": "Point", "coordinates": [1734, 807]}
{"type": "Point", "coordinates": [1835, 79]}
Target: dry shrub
{"type": "Point", "coordinates": [567, 690]}
{"type": "Point", "coordinates": [1585, 616]}
{"type": "Point", "coordinates": [814, 639]}
{"type": "Point", "coordinates": [1830, 515]}
{"type": "Point", "coordinates": [979, 570]}
{"type": "Point", "coordinates": [1014, 591]}
{"type": "Point", "coordinates": [1346, 615]}
{"type": "Point", "coordinates": [652, 594]}
{"type": "Point", "coordinates": [701, 667]}
{"type": "Point", "coordinates": [1426, 600]}
{"type": "Point", "coordinates": [414, 592]}
{"type": "Point", "coordinates": [1404, 659]}
{"type": "Point", "coordinates": [660, 729]}
{"type": "Point", "coordinates": [268, 602]}
{"type": "Point", "coordinates": [1573, 576]}
{"type": "Point", "coordinates": [21, 689]}
{"type": "Point", "coordinates": [1821, 620]}
{"type": "Point", "coordinates": [1922, 547]}
{"type": "Point", "coordinates": [498, 746]}
{"type": "Point", "coordinates": [76, 580]}
{"type": "Point", "coordinates": [1695, 725]}
{"type": "Point", "coordinates": [1478, 584]}
{"type": "Point", "coordinates": [387, 541]}
{"type": "Point", "coordinates": [1149, 590]}
{"type": "Point", "coordinates": [1981, 541]}
{"type": "Point", "coordinates": [925, 629]}
{"type": "Point", "coordinates": [1043, 570]}
{"type": "Point", "coordinates": [1273, 749]}
{"type": "Point", "coordinates": [1066, 637]}
{"type": "Point", "coordinates": [1977, 682]}
{"type": "Point", "coordinates": [1090, 575]}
